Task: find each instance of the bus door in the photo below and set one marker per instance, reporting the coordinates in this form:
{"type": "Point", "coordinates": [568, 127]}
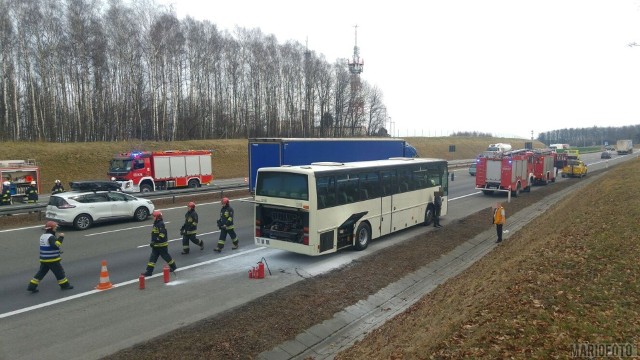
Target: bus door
{"type": "Point", "coordinates": [387, 185]}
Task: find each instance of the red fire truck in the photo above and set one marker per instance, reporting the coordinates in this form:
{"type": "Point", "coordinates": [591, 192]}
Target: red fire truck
{"type": "Point", "coordinates": [543, 166]}
{"type": "Point", "coordinates": [505, 171]}
{"type": "Point", "coordinates": [144, 171]}
{"type": "Point", "coordinates": [19, 174]}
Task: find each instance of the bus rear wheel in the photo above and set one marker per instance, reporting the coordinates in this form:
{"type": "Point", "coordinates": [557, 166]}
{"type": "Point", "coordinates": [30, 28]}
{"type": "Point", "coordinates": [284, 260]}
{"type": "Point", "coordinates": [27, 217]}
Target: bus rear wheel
{"type": "Point", "coordinates": [363, 236]}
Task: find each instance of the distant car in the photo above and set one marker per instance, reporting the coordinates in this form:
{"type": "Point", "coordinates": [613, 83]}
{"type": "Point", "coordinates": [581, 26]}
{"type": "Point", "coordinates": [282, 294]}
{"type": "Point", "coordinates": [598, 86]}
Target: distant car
{"type": "Point", "coordinates": [605, 155]}
{"type": "Point", "coordinates": [87, 204]}
{"type": "Point", "coordinates": [472, 169]}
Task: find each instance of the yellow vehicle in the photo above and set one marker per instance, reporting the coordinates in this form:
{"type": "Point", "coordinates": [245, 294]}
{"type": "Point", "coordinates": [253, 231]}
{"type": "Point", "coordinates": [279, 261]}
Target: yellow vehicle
{"type": "Point", "coordinates": [573, 154]}
{"type": "Point", "coordinates": [574, 168]}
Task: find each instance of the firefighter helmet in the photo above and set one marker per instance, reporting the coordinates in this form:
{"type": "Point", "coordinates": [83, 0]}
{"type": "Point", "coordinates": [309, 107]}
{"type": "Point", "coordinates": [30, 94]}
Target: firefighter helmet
{"type": "Point", "coordinates": [157, 214]}
{"type": "Point", "coordinates": [33, 182]}
{"type": "Point", "coordinates": [57, 181]}
{"type": "Point", "coordinates": [225, 201]}
{"type": "Point", "coordinates": [191, 205]}
{"type": "Point", "coordinates": [50, 225]}
{"type": "Point", "coordinates": [113, 178]}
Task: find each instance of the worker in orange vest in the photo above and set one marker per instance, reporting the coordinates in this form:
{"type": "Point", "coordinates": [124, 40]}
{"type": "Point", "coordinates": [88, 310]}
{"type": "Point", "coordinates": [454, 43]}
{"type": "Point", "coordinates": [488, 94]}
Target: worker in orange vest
{"type": "Point", "coordinates": [499, 218]}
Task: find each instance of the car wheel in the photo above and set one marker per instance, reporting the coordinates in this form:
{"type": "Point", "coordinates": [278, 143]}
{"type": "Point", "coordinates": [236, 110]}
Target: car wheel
{"type": "Point", "coordinates": [363, 235]}
{"type": "Point", "coordinates": [141, 213]}
{"type": "Point", "coordinates": [82, 222]}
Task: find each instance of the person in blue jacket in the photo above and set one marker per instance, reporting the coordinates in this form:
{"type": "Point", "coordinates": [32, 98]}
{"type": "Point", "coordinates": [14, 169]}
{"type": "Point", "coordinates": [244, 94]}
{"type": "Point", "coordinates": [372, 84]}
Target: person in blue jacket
{"type": "Point", "coordinates": [50, 259]}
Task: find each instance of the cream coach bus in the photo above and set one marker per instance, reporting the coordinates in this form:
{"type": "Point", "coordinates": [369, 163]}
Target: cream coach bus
{"type": "Point", "coordinates": [320, 208]}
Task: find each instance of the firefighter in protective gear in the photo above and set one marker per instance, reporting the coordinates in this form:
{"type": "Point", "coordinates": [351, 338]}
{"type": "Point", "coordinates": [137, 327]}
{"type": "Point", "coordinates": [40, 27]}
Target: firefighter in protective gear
{"type": "Point", "coordinates": [50, 258]}
{"type": "Point", "coordinates": [32, 193]}
{"type": "Point", "coordinates": [225, 224]}
{"type": "Point", "coordinates": [57, 188]}
{"type": "Point", "coordinates": [189, 229]}
{"type": "Point", "coordinates": [6, 193]}
{"type": "Point", "coordinates": [159, 245]}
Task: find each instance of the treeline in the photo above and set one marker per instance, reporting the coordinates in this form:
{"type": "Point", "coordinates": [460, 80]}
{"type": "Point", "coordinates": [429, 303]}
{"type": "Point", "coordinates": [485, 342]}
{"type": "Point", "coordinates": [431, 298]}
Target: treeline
{"type": "Point", "coordinates": [591, 136]}
{"type": "Point", "coordinates": [87, 70]}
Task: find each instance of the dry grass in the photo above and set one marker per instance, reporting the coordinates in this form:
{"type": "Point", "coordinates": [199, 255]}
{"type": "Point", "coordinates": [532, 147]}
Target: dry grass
{"type": "Point", "coordinates": [78, 161]}
{"type": "Point", "coordinates": [569, 277]}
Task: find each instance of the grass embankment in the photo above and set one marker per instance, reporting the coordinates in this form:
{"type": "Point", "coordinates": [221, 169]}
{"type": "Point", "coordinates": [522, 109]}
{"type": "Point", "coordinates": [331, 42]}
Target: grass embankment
{"type": "Point", "coordinates": [571, 276]}
{"type": "Point", "coordinates": [82, 161]}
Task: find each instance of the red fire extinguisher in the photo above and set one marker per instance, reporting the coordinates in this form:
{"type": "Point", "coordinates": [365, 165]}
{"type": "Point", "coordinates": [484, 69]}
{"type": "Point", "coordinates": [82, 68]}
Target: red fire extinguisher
{"type": "Point", "coordinates": [260, 270]}
{"type": "Point", "coordinates": [141, 280]}
{"type": "Point", "coordinates": [165, 273]}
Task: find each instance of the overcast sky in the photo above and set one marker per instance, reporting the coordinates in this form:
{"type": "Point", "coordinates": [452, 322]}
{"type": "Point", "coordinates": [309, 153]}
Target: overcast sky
{"type": "Point", "coordinates": [507, 67]}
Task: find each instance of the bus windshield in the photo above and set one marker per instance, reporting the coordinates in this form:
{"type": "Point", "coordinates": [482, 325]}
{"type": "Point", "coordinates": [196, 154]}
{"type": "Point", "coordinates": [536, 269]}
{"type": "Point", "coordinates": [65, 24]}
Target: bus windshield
{"type": "Point", "coordinates": [283, 185]}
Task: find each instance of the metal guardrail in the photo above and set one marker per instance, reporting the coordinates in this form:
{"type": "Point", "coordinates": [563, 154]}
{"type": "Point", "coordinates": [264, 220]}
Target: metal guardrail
{"type": "Point", "coordinates": [173, 194]}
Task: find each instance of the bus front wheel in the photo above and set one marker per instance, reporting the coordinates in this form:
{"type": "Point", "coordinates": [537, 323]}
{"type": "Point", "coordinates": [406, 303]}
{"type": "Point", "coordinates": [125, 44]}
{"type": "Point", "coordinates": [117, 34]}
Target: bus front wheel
{"type": "Point", "coordinates": [363, 236]}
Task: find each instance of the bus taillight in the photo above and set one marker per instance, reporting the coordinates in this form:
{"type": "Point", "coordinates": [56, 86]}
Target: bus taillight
{"type": "Point", "coordinates": [305, 237]}
{"type": "Point", "coordinates": [258, 232]}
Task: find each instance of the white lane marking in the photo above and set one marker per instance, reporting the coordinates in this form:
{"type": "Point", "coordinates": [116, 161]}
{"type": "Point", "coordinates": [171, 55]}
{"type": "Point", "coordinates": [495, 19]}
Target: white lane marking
{"type": "Point", "coordinates": [129, 282]}
{"type": "Point", "coordinates": [464, 196]}
{"type": "Point", "coordinates": [179, 239]}
{"type": "Point", "coordinates": [124, 229]}
{"type": "Point", "coordinates": [138, 227]}
{"type": "Point", "coordinates": [23, 228]}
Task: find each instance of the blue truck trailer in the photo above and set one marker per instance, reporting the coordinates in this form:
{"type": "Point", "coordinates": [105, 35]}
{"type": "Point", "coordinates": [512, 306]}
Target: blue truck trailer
{"type": "Point", "coordinates": [266, 152]}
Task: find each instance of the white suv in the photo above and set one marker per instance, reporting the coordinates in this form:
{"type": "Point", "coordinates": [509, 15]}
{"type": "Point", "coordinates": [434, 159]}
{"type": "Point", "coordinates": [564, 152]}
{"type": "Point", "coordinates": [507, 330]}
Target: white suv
{"type": "Point", "coordinates": [82, 206]}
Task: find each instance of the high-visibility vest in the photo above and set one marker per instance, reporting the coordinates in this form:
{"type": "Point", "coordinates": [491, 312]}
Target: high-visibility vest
{"type": "Point", "coordinates": [49, 248]}
{"type": "Point", "coordinates": [499, 216]}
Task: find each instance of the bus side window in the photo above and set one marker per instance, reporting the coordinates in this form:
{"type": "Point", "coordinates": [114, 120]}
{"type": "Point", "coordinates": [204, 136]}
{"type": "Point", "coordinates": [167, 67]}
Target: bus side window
{"type": "Point", "coordinates": [388, 183]}
{"type": "Point", "coordinates": [322, 201]}
{"type": "Point", "coordinates": [364, 194]}
{"type": "Point", "coordinates": [342, 198]}
{"type": "Point", "coordinates": [352, 194]}
{"type": "Point", "coordinates": [331, 200]}
{"type": "Point", "coordinates": [403, 187]}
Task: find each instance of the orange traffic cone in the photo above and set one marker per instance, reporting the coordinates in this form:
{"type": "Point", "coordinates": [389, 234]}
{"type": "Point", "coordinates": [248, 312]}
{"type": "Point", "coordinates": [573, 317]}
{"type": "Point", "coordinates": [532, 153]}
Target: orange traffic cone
{"type": "Point", "coordinates": [104, 284]}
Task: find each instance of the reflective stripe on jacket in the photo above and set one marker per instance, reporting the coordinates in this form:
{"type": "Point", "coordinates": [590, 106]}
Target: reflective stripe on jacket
{"type": "Point", "coordinates": [49, 248]}
{"type": "Point", "coordinates": [190, 222]}
{"type": "Point", "coordinates": [159, 234]}
{"type": "Point", "coordinates": [226, 217]}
